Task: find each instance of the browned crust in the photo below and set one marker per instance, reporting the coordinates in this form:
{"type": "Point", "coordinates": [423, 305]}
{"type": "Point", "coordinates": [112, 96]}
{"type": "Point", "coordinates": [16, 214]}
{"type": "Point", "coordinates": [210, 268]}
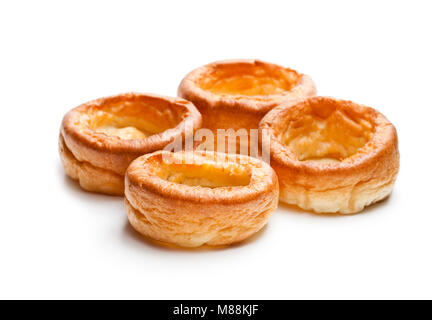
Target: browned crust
{"type": "Point", "coordinates": [377, 160]}
{"type": "Point", "coordinates": [89, 177]}
{"type": "Point", "coordinates": [238, 111]}
{"type": "Point", "coordinates": [110, 152]}
{"type": "Point", "coordinates": [194, 215]}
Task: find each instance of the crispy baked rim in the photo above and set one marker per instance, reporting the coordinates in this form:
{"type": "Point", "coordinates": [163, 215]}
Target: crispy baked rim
{"type": "Point", "coordinates": [262, 178]}
{"type": "Point", "coordinates": [191, 89]}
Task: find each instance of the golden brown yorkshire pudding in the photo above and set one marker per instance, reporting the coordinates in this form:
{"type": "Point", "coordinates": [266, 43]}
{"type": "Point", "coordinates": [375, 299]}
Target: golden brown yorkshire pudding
{"type": "Point", "coordinates": [332, 155]}
{"type": "Point", "coordinates": [238, 93]}
{"type": "Point", "coordinates": [99, 139]}
{"type": "Point", "coordinates": [196, 198]}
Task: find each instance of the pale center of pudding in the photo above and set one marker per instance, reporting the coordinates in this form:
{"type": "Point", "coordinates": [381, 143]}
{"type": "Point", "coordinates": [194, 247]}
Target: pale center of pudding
{"type": "Point", "coordinates": [249, 80]}
{"type": "Point", "coordinates": [122, 133]}
{"type": "Point", "coordinates": [329, 139]}
{"type": "Point", "coordinates": [123, 127]}
{"type": "Point", "coordinates": [134, 120]}
{"type": "Point", "coordinates": [205, 175]}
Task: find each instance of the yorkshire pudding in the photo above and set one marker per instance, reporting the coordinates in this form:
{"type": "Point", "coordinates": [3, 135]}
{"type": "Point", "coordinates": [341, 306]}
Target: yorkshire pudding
{"type": "Point", "coordinates": [238, 93]}
{"type": "Point", "coordinates": [99, 139]}
{"type": "Point", "coordinates": [194, 198]}
{"type": "Point", "coordinates": [332, 155]}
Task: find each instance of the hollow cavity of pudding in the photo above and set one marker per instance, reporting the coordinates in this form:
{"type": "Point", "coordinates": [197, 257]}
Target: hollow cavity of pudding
{"type": "Point", "coordinates": [210, 175]}
{"type": "Point", "coordinates": [133, 119]}
{"type": "Point", "coordinates": [248, 79]}
{"type": "Point", "coordinates": [328, 135]}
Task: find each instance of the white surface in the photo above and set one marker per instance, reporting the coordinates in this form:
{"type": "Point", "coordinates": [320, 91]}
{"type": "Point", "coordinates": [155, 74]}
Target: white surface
{"type": "Point", "coordinates": [57, 241]}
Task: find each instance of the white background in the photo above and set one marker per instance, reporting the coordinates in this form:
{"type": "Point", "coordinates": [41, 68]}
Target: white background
{"type": "Point", "coordinates": [57, 241]}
